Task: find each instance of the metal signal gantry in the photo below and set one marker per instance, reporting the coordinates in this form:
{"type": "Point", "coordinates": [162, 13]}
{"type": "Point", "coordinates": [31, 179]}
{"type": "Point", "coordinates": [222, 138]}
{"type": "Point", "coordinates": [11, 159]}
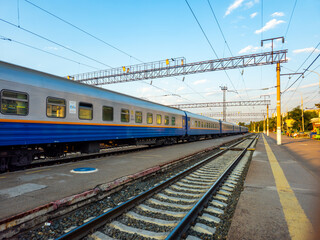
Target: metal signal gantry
{"type": "Point", "coordinates": [221, 104]}
{"type": "Point", "coordinates": [175, 67]}
{"type": "Point", "coordinates": [234, 114]}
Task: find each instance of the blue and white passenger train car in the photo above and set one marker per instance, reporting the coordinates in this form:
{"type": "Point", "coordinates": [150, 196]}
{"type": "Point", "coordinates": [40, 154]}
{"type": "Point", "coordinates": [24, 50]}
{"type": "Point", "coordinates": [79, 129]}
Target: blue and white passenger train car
{"type": "Point", "coordinates": [53, 115]}
{"type": "Point", "coordinates": [201, 126]}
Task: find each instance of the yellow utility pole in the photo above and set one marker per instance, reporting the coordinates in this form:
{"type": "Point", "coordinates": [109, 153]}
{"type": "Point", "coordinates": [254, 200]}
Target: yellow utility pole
{"type": "Point", "coordinates": [302, 114]}
{"type": "Point", "coordinates": [264, 124]}
{"type": "Point", "coordinates": [278, 106]}
{"type": "Point", "coordinates": [267, 120]}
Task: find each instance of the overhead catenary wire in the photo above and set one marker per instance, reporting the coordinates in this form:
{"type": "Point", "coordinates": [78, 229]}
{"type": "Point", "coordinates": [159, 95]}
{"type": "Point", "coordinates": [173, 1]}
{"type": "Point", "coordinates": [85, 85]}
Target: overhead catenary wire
{"type": "Point", "coordinates": [206, 37]}
{"type": "Point", "coordinates": [56, 55]}
{"type": "Point", "coordinates": [84, 31]}
{"type": "Point", "coordinates": [98, 39]}
{"type": "Point", "coordinates": [225, 40]}
{"type": "Point", "coordinates": [305, 69]}
{"type": "Point", "coordinates": [305, 61]}
{"type": "Point", "coordinates": [208, 41]}
{"type": "Point", "coordinates": [58, 44]}
{"type": "Point", "coordinates": [299, 78]}
{"type": "Point", "coordinates": [294, 7]}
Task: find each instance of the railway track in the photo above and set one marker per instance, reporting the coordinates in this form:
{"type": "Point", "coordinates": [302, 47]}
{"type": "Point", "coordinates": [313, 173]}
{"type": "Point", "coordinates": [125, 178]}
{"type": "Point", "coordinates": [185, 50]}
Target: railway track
{"type": "Point", "coordinates": [190, 204]}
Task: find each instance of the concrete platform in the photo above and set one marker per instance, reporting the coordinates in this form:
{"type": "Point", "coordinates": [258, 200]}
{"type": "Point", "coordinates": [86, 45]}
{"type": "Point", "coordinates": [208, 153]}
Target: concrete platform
{"type": "Point", "coordinates": [281, 192]}
{"type": "Point", "coordinates": [41, 190]}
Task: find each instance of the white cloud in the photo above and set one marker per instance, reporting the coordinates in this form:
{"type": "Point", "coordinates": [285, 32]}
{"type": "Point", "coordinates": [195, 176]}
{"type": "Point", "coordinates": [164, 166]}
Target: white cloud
{"type": "Point", "coordinates": [306, 50]}
{"type": "Point", "coordinates": [250, 4]}
{"type": "Point", "coordinates": [211, 93]}
{"type": "Point", "coordinates": [51, 48]}
{"type": "Point", "coordinates": [233, 6]}
{"type": "Point", "coordinates": [249, 48]}
{"type": "Point", "coordinates": [200, 82]}
{"type": "Point", "coordinates": [180, 89]}
{"type": "Point", "coordinates": [277, 14]}
{"type": "Point", "coordinates": [269, 25]}
{"type": "Point", "coordinates": [253, 15]}
{"type": "Point", "coordinates": [144, 90]}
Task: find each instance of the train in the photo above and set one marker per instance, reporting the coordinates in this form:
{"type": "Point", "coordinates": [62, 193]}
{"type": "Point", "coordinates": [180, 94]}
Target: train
{"type": "Point", "coordinates": [49, 116]}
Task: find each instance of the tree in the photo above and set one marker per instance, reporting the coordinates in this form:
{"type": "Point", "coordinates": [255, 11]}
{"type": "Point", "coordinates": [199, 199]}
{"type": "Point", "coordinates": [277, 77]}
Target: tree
{"type": "Point", "coordinates": [296, 114]}
{"type": "Point", "coordinates": [307, 119]}
{"type": "Point", "coordinates": [242, 124]}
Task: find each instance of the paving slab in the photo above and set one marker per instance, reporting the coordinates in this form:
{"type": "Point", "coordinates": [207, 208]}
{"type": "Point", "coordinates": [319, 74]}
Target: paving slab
{"type": "Point", "coordinates": [261, 212]}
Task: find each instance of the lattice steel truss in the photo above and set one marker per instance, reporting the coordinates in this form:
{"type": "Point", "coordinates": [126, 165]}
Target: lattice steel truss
{"type": "Point", "coordinates": [220, 104]}
{"type": "Point", "coordinates": [175, 67]}
{"type": "Point", "coordinates": [235, 114]}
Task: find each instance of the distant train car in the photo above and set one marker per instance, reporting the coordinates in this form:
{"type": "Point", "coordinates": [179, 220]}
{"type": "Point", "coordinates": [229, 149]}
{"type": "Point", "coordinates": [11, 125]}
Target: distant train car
{"type": "Point", "coordinates": [227, 128]}
{"type": "Point", "coordinates": [49, 115]}
{"type": "Point", "coordinates": [201, 126]}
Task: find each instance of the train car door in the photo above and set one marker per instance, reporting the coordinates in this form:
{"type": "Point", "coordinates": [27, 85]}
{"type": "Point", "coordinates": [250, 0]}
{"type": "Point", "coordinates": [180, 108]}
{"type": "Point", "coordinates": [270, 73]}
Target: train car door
{"type": "Point", "coordinates": [185, 120]}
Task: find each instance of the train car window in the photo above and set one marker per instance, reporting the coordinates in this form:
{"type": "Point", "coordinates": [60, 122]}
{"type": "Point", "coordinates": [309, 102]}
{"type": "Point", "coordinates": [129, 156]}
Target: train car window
{"type": "Point", "coordinates": [149, 118]}
{"type": "Point", "coordinates": [166, 120]}
{"type": "Point", "coordinates": [138, 117]}
{"type": "Point", "coordinates": [125, 115]}
{"type": "Point", "coordinates": [107, 113]}
{"type": "Point", "coordinates": [199, 123]}
{"type": "Point", "coordinates": [85, 111]}
{"type": "Point", "coordinates": [14, 103]}
{"type": "Point", "coordinates": [56, 107]}
{"type": "Point", "coordinates": [159, 119]}
{"type": "Point", "coordinates": [173, 121]}
{"type": "Point", "coordinates": [195, 123]}
{"type": "Point", "coordinates": [202, 124]}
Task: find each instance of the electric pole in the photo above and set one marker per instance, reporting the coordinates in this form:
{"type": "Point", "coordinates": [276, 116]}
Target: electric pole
{"type": "Point", "coordinates": [278, 106]}
{"type": "Point", "coordinates": [224, 89]}
{"type": "Point", "coordinates": [264, 97]}
{"type": "Point", "coordinates": [278, 89]}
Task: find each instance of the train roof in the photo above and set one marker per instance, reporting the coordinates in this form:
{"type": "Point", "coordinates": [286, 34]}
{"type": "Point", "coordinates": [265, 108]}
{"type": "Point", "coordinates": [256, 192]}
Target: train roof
{"type": "Point", "coordinates": [19, 74]}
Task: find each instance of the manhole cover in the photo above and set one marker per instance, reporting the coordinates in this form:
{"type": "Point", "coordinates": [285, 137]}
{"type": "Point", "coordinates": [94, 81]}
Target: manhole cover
{"type": "Point", "coordinates": [84, 170]}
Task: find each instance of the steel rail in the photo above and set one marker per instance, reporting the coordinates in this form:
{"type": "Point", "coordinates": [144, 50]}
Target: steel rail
{"type": "Point", "coordinates": [183, 226]}
{"type": "Point", "coordinates": [103, 219]}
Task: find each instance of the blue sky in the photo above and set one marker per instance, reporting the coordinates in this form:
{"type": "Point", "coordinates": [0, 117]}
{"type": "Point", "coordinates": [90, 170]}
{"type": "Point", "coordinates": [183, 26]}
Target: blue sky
{"type": "Point", "coordinates": [156, 30]}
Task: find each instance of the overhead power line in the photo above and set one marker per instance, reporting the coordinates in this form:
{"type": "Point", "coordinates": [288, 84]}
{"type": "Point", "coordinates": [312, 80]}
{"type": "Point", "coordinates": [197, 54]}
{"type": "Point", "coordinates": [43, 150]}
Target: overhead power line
{"type": "Point", "coordinates": [100, 40]}
{"type": "Point", "coordinates": [302, 74]}
{"type": "Point", "coordinates": [305, 61]}
{"type": "Point", "coordinates": [58, 44]}
{"type": "Point", "coordinates": [56, 55]}
{"type": "Point", "coordinates": [86, 32]}
{"type": "Point", "coordinates": [294, 7]}
{"type": "Point", "coordinates": [225, 40]}
{"type": "Point", "coordinates": [208, 40]}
